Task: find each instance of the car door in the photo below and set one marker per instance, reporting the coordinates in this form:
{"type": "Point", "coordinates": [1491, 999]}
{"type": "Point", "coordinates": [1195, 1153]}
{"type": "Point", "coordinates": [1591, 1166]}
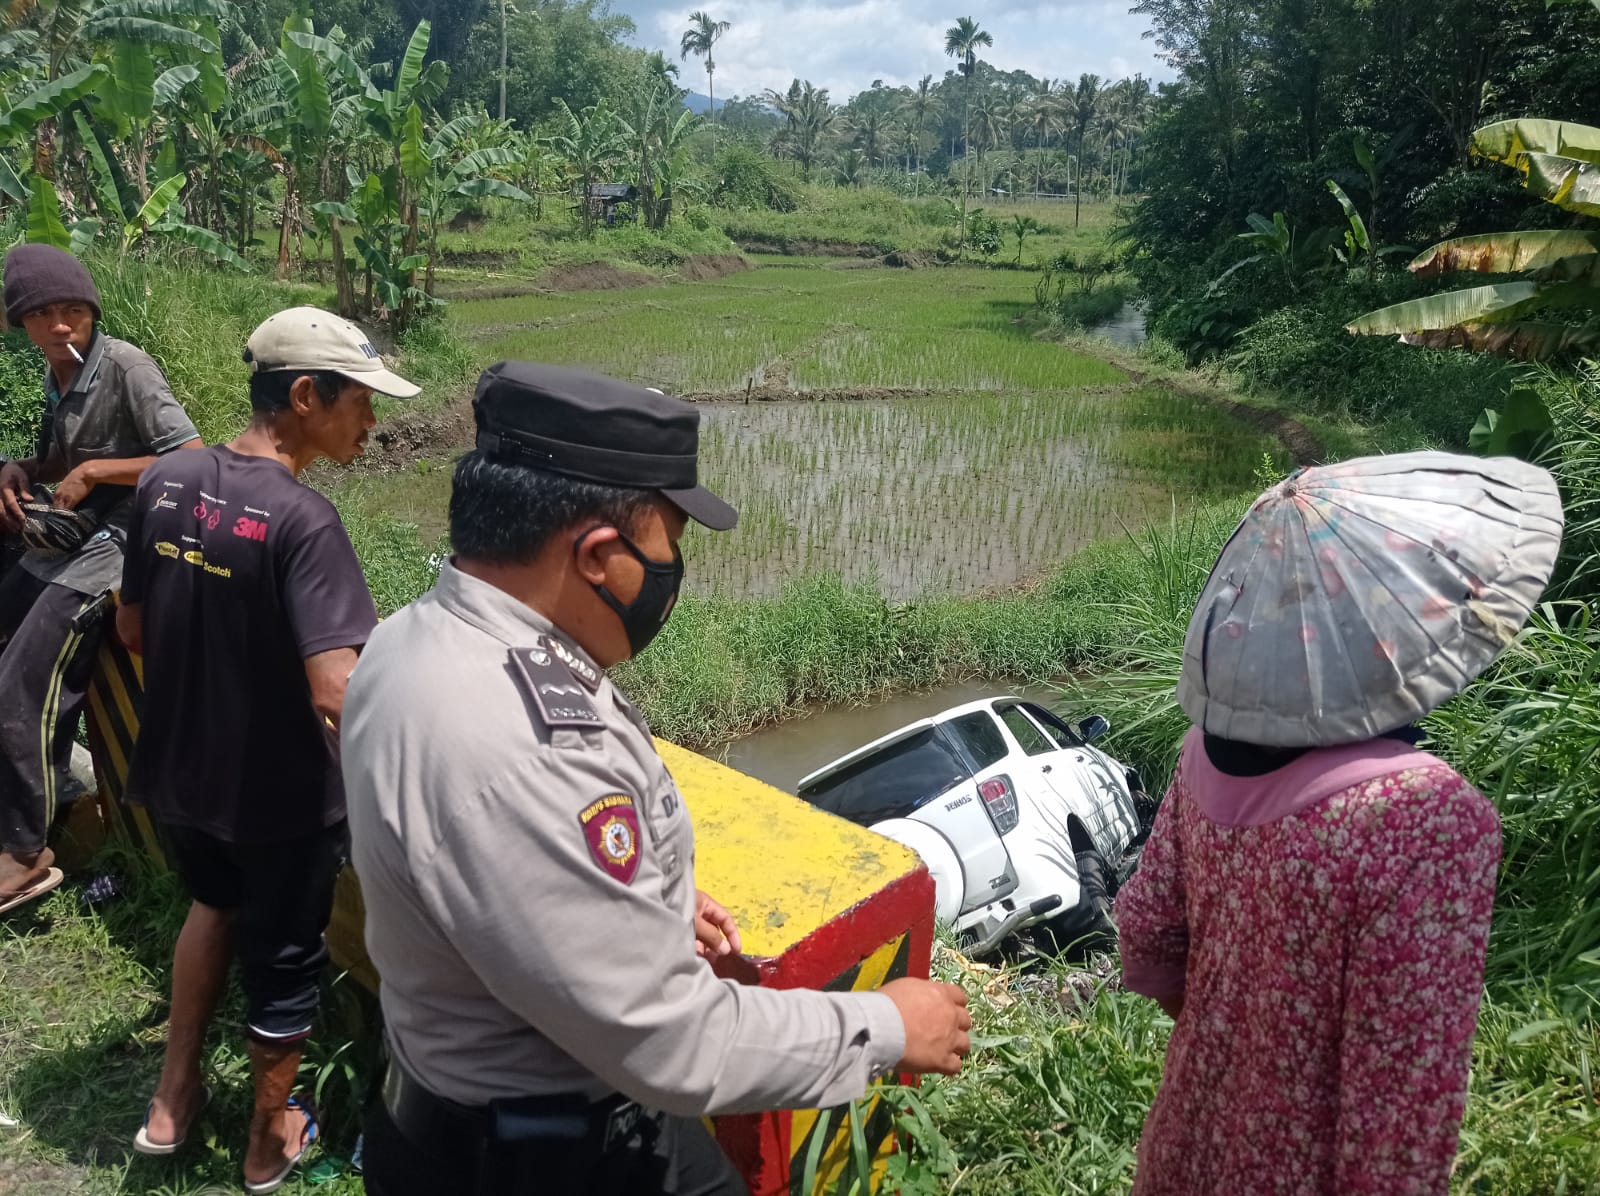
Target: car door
{"type": "Point", "coordinates": [1042, 752]}
{"type": "Point", "coordinates": [1099, 781]}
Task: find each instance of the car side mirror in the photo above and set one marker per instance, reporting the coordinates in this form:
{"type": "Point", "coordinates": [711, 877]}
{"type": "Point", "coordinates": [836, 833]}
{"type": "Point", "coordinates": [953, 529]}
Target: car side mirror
{"type": "Point", "coordinates": [1096, 726]}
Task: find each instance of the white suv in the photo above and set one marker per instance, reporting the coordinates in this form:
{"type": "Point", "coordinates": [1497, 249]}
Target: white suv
{"type": "Point", "coordinates": [1019, 819]}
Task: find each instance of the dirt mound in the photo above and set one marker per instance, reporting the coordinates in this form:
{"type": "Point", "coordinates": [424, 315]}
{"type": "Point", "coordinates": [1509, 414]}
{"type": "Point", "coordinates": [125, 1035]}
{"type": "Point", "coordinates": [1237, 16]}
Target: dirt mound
{"type": "Point", "coordinates": [806, 247]}
{"type": "Point", "coordinates": [594, 276]}
{"type": "Point", "coordinates": [909, 259]}
{"type": "Point", "coordinates": [483, 258]}
{"type": "Point", "coordinates": [704, 266]}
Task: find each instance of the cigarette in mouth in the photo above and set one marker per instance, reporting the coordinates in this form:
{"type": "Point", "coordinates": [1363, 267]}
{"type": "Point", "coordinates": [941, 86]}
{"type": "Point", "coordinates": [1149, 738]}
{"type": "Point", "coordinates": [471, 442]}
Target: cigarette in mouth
{"type": "Point", "coordinates": [76, 356]}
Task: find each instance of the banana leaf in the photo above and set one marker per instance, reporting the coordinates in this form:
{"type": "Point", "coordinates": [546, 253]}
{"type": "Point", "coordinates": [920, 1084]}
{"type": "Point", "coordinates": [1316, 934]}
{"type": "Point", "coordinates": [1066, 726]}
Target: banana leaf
{"type": "Point", "coordinates": [147, 32]}
{"type": "Point", "coordinates": [1358, 226]}
{"type": "Point", "coordinates": [81, 235]}
{"type": "Point", "coordinates": [1504, 253]}
{"type": "Point", "coordinates": [1508, 140]}
{"type": "Point", "coordinates": [498, 188]}
{"type": "Point", "coordinates": [106, 194]}
{"type": "Point", "coordinates": [414, 160]}
{"type": "Point", "coordinates": [344, 64]}
{"type": "Point", "coordinates": [411, 64]}
{"type": "Point", "coordinates": [11, 183]}
{"type": "Point", "coordinates": [451, 134]}
{"type": "Point", "coordinates": [44, 216]}
{"type": "Point", "coordinates": [1565, 182]}
{"type": "Point", "coordinates": [332, 210]}
{"type": "Point", "coordinates": [159, 10]}
{"type": "Point", "coordinates": [50, 100]}
{"type": "Point", "coordinates": [199, 238]}
{"type": "Point", "coordinates": [479, 161]}
{"type": "Point", "coordinates": [311, 100]}
{"type": "Point", "coordinates": [172, 81]}
{"type": "Point", "coordinates": [1526, 340]}
{"type": "Point", "coordinates": [1501, 301]}
{"type": "Point", "coordinates": [129, 91]}
{"type": "Point", "coordinates": [162, 198]}
{"type": "Point", "coordinates": [1581, 268]}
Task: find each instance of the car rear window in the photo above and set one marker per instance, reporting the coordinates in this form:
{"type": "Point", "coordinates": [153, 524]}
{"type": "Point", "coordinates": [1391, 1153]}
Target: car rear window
{"type": "Point", "coordinates": [979, 736]}
{"type": "Point", "coordinates": [892, 782]}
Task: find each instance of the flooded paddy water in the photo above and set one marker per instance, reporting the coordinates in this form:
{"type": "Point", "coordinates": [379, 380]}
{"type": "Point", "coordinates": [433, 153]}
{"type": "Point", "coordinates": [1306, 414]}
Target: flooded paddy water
{"type": "Point", "coordinates": [944, 494]}
{"type": "Point", "coordinates": [894, 427]}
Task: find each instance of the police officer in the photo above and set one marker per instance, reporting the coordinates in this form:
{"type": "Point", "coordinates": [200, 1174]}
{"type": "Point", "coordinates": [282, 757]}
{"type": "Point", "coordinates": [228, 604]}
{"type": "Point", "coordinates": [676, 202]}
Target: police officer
{"type": "Point", "coordinates": [527, 861]}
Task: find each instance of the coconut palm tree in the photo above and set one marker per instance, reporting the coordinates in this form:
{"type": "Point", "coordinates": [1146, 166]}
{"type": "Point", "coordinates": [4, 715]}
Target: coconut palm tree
{"type": "Point", "coordinates": [1044, 118]}
{"type": "Point", "coordinates": [809, 116]}
{"type": "Point", "coordinates": [703, 34]}
{"type": "Point", "coordinates": [917, 107]}
{"type": "Point", "coordinates": [1085, 99]}
{"type": "Point", "coordinates": [961, 42]}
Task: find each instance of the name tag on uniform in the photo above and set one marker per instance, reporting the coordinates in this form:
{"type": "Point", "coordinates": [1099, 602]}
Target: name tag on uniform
{"type": "Point", "coordinates": [562, 701]}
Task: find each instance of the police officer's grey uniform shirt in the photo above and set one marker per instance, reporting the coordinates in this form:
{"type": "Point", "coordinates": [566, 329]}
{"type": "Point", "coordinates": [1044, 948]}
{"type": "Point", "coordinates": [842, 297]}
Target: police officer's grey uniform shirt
{"type": "Point", "coordinates": [515, 958]}
{"type": "Point", "coordinates": [119, 405]}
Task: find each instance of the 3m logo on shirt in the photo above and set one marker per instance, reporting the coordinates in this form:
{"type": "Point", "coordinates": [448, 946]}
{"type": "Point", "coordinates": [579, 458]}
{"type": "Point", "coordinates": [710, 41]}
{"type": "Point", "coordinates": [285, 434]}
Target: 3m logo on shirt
{"type": "Point", "coordinates": [250, 529]}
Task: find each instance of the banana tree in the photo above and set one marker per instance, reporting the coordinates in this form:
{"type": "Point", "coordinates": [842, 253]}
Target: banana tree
{"type": "Point", "coordinates": [471, 157]}
{"type": "Point", "coordinates": [592, 142]}
{"type": "Point", "coordinates": [155, 219]}
{"type": "Point", "coordinates": [44, 103]}
{"type": "Point", "coordinates": [1560, 163]}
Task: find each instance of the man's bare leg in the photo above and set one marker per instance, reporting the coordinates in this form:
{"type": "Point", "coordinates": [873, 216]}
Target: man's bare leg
{"type": "Point", "coordinates": [199, 970]}
{"type": "Point", "coordinates": [276, 1131]}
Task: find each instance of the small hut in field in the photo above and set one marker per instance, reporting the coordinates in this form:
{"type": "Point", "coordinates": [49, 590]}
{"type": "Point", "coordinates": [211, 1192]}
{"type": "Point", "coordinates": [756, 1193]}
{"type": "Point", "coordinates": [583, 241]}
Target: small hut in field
{"type": "Point", "coordinates": [610, 203]}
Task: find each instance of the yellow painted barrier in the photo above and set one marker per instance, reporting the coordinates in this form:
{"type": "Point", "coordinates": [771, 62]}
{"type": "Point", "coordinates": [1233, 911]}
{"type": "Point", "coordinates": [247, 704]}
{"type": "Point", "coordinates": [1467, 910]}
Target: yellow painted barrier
{"type": "Point", "coordinates": [821, 904]}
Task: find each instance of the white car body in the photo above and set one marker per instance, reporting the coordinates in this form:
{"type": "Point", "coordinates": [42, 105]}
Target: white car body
{"type": "Point", "coordinates": [937, 785]}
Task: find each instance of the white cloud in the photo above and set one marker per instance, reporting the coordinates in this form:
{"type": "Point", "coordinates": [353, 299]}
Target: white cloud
{"type": "Point", "coordinates": [844, 45]}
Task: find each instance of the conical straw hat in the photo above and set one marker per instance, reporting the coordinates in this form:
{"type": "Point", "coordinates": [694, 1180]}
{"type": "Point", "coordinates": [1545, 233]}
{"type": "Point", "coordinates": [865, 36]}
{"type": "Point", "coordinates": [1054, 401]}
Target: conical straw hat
{"type": "Point", "coordinates": [1355, 598]}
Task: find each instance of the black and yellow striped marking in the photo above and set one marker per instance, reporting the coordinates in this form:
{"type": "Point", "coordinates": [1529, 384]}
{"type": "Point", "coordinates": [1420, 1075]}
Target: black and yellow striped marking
{"type": "Point", "coordinates": [889, 962]}
{"type": "Point", "coordinates": [116, 692]}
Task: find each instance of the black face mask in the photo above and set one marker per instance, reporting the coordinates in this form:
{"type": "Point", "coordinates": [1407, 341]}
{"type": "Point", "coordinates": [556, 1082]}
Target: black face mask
{"type": "Point", "coordinates": [644, 617]}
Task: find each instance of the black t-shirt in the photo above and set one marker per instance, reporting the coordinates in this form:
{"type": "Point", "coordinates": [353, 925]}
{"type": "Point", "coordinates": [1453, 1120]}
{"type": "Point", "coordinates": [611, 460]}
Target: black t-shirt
{"type": "Point", "coordinates": [242, 573]}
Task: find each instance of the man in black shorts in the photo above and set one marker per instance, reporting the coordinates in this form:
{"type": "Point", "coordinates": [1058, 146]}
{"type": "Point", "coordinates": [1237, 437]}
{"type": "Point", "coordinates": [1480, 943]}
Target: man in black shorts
{"type": "Point", "coordinates": [245, 596]}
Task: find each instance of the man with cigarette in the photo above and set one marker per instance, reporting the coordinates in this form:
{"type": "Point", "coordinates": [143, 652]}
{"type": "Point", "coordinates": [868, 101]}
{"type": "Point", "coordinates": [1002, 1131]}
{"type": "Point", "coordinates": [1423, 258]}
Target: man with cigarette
{"type": "Point", "coordinates": [108, 414]}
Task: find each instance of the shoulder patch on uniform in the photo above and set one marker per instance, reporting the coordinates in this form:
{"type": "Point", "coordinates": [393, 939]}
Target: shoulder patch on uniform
{"type": "Point", "coordinates": [611, 827]}
{"type": "Point", "coordinates": [584, 671]}
{"type": "Point", "coordinates": [561, 701]}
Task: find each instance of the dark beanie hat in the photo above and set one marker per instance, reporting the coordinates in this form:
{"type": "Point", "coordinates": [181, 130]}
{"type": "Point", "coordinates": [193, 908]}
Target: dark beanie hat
{"type": "Point", "coordinates": [39, 275]}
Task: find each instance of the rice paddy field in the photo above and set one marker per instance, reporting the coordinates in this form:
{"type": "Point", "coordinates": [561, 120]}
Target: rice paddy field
{"type": "Point", "coordinates": [890, 427]}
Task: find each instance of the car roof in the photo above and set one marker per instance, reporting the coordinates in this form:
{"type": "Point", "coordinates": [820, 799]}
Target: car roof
{"type": "Point", "coordinates": [894, 737]}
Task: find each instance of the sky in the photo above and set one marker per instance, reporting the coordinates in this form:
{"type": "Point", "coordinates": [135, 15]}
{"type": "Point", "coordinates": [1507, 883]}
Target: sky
{"type": "Point", "coordinates": [844, 45]}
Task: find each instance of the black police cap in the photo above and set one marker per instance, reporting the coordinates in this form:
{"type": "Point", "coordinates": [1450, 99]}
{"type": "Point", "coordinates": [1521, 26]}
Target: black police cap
{"type": "Point", "coordinates": [596, 429]}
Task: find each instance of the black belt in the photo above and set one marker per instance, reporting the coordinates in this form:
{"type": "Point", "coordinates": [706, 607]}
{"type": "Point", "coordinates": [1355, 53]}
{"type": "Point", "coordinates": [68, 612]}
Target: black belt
{"type": "Point", "coordinates": [446, 1127]}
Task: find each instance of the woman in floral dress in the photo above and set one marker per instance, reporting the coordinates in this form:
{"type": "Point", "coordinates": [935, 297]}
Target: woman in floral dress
{"type": "Point", "coordinates": [1313, 905]}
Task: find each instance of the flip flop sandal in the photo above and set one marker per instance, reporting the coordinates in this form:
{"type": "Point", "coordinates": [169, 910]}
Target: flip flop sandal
{"type": "Point", "coordinates": [307, 1137]}
{"type": "Point", "coordinates": [144, 1144]}
{"type": "Point", "coordinates": [38, 889]}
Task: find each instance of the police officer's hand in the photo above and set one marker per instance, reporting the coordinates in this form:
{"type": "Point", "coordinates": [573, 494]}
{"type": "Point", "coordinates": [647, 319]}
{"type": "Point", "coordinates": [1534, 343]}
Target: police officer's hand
{"type": "Point", "coordinates": [937, 1022]}
{"type": "Point", "coordinates": [15, 489]}
{"type": "Point", "coordinates": [715, 932]}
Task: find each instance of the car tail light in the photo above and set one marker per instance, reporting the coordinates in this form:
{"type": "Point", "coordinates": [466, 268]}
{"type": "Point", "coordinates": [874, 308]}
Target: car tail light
{"type": "Point", "coordinates": [1000, 799]}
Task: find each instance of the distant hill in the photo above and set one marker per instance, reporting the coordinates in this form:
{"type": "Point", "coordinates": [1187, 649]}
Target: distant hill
{"type": "Point", "coordinates": [700, 104]}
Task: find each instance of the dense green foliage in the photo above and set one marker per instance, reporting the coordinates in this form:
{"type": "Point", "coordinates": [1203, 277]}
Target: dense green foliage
{"type": "Point", "coordinates": [1274, 102]}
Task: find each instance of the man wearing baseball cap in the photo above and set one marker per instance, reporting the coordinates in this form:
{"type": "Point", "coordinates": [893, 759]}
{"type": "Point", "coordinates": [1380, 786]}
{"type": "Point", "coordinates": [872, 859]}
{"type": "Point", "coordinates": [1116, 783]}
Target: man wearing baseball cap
{"type": "Point", "coordinates": [108, 416]}
{"type": "Point", "coordinates": [528, 862]}
{"type": "Point", "coordinates": [245, 596]}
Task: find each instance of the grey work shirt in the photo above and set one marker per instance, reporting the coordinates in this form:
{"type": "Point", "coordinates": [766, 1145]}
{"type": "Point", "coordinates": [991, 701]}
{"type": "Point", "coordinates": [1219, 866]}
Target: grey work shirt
{"type": "Point", "coordinates": [523, 950]}
{"type": "Point", "coordinates": [118, 405]}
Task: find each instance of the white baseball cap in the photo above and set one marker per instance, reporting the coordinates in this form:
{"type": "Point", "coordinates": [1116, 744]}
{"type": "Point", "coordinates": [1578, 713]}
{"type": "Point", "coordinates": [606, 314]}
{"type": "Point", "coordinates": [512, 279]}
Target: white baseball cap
{"type": "Point", "coordinates": [308, 338]}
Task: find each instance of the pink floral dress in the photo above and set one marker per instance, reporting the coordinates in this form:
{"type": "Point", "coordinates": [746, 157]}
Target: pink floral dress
{"type": "Point", "coordinates": [1325, 925]}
